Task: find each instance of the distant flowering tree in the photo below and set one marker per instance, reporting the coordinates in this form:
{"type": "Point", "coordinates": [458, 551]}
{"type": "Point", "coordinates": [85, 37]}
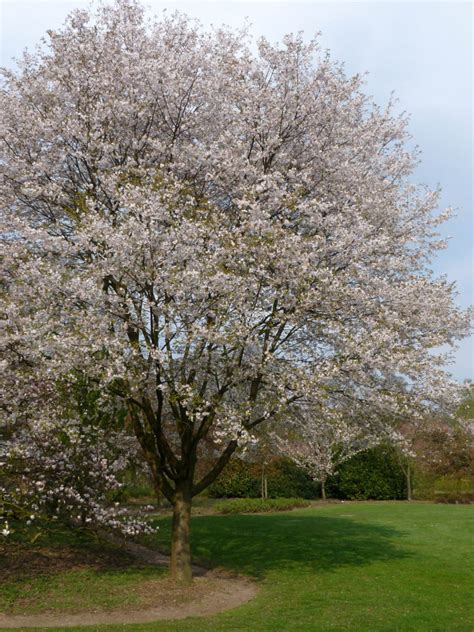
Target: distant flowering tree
{"type": "Point", "coordinates": [441, 447]}
{"type": "Point", "coordinates": [215, 236]}
{"type": "Point", "coordinates": [320, 447]}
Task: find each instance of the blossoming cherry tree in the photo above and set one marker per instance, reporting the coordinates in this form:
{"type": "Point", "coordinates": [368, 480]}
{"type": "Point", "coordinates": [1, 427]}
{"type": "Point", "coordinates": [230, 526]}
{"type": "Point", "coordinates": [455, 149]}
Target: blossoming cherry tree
{"type": "Point", "coordinates": [215, 234]}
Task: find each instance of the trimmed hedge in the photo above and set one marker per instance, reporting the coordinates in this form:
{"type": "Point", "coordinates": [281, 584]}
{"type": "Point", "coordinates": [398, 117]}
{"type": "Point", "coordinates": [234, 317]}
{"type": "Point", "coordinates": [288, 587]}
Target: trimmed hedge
{"type": "Point", "coordinates": [256, 505]}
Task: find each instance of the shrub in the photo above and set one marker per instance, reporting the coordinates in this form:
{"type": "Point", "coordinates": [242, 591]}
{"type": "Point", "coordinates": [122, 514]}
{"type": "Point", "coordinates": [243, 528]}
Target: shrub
{"type": "Point", "coordinates": [256, 505]}
{"type": "Point", "coordinates": [374, 474]}
{"type": "Point", "coordinates": [455, 498]}
{"type": "Point", "coordinates": [451, 489]}
{"type": "Point", "coordinates": [236, 481]}
{"type": "Point", "coordinates": [428, 486]}
{"type": "Point", "coordinates": [453, 484]}
{"type": "Point", "coordinates": [136, 485]}
{"type": "Point", "coordinates": [423, 483]}
{"type": "Point", "coordinates": [243, 480]}
{"type": "Point", "coordinates": [288, 480]}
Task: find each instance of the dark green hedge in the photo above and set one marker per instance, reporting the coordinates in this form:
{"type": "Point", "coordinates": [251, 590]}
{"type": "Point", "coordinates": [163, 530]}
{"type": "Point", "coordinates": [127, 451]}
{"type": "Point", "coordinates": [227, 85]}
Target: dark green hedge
{"type": "Point", "coordinates": [374, 474]}
{"type": "Point", "coordinates": [243, 480]}
{"type": "Point", "coordinates": [287, 480]}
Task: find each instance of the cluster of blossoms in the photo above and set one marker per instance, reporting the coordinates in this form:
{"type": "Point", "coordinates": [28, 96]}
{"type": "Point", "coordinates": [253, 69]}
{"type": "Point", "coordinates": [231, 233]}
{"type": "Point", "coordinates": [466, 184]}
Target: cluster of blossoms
{"type": "Point", "coordinates": [68, 469]}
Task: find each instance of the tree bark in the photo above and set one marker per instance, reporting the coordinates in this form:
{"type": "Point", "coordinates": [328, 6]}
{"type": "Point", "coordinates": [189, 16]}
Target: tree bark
{"type": "Point", "coordinates": [264, 486]}
{"type": "Point", "coordinates": [323, 489]}
{"type": "Point", "coordinates": [408, 477]}
{"type": "Point", "coordinates": [181, 569]}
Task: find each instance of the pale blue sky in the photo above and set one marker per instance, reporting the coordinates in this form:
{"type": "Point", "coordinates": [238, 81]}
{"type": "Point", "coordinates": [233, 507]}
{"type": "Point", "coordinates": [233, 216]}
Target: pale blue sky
{"type": "Point", "coordinates": [420, 50]}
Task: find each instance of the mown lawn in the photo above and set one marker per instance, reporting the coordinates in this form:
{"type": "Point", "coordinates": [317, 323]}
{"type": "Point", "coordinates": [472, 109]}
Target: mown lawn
{"type": "Point", "coordinates": [70, 572]}
{"type": "Point", "coordinates": [353, 566]}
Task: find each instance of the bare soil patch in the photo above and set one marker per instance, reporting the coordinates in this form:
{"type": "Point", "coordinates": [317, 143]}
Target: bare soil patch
{"type": "Point", "coordinates": [18, 560]}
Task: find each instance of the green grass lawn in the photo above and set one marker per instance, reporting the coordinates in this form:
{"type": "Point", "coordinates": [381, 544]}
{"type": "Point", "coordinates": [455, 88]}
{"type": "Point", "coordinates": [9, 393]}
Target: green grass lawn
{"type": "Point", "coordinates": [65, 571]}
{"type": "Point", "coordinates": [78, 590]}
{"type": "Point", "coordinates": [352, 566]}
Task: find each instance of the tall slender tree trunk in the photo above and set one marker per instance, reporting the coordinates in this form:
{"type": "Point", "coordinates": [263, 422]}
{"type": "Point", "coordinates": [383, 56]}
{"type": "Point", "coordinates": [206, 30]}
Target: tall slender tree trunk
{"type": "Point", "coordinates": [323, 489]}
{"type": "Point", "coordinates": [264, 483]}
{"type": "Point", "coordinates": [181, 569]}
{"type": "Point", "coordinates": [409, 484]}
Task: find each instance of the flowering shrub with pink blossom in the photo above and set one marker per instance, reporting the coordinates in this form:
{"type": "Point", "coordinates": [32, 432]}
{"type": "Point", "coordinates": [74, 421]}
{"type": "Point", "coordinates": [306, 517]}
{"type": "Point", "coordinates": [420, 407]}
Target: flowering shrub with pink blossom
{"type": "Point", "coordinates": [67, 466]}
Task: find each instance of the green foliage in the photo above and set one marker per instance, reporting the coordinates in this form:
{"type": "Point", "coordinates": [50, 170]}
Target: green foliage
{"type": "Point", "coordinates": [453, 485]}
{"type": "Point", "coordinates": [423, 484]}
{"type": "Point", "coordinates": [86, 400]}
{"type": "Point", "coordinates": [450, 489]}
{"type": "Point", "coordinates": [287, 480]}
{"type": "Point", "coordinates": [238, 480]}
{"type": "Point", "coordinates": [374, 474]}
{"type": "Point", "coordinates": [243, 480]}
{"type": "Point", "coordinates": [466, 409]}
{"type": "Point", "coordinates": [256, 505]}
{"type": "Point", "coordinates": [136, 485]}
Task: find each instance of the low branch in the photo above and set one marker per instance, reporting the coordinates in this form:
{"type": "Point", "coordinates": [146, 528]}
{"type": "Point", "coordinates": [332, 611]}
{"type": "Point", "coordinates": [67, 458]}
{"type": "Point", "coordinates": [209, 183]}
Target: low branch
{"type": "Point", "coordinates": [211, 476]}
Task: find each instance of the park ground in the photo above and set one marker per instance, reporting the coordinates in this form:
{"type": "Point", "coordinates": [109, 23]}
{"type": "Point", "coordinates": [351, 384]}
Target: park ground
{"type": "Point", "coordinates": [368, 566]}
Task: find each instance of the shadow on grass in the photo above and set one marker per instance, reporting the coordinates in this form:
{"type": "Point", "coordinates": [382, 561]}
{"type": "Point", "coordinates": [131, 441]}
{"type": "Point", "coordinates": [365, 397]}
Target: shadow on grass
{"type": "Point", "coordinates": [255, 544]}
{"type": "Point", "coordinates": [61, 550]}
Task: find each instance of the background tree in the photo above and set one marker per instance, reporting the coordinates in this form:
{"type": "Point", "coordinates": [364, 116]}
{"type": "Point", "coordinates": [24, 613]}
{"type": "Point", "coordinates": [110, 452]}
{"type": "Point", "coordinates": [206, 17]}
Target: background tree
{"type": "Point", "coordinates": [320, 448]}
{"type": "Point", "coordinates": [437, 447]}
{"type": "Point", "coordinates": [214, 236]}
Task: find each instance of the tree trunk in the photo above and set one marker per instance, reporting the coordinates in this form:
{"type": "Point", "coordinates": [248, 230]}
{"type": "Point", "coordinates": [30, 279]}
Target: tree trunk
{"type": "Point", "coordinates": [264, 485]}
{"type": "Point", "coordinates": [408, 477]}
{"type": "Point", "coordinates": [181, 570]}
{"type": "Point", "coordinates": [323, 489]}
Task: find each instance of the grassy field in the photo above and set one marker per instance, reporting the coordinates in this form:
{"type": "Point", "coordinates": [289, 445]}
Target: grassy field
{"type": "Point", "coordinates": [66, 572]}
{"type": "Point", "coordinates": [352, 566]}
